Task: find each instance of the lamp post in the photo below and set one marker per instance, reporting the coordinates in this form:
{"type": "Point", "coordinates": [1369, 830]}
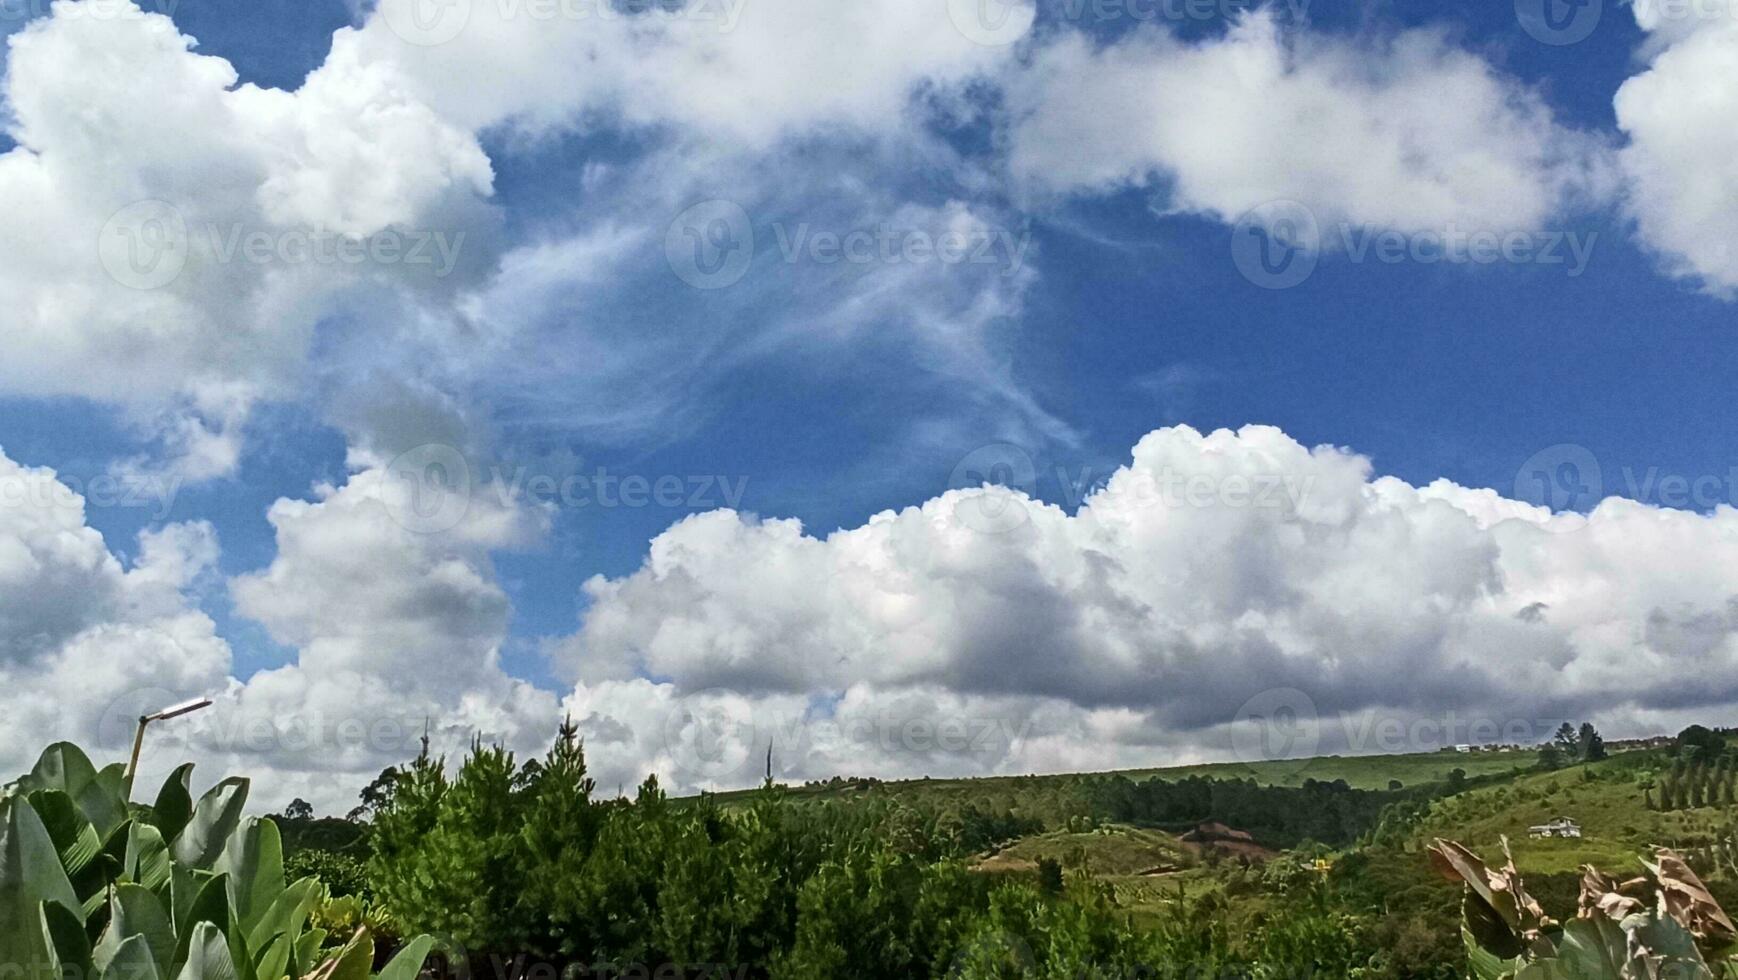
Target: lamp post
{"type": "Point", "coordinates": [173, 711]}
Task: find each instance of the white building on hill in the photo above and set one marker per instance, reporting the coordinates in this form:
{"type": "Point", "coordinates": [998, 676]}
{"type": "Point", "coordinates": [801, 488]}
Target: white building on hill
{"type": "Point", "coordinates": [1560, 827]}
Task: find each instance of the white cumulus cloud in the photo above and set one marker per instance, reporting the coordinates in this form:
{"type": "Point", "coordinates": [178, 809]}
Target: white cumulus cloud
{"type": "Point", "coordinates": [1358, 130]}
{"type": "Point", "coordinates": [1209, 569]}
{"type": "Point", "coordinates": [1681, 161]}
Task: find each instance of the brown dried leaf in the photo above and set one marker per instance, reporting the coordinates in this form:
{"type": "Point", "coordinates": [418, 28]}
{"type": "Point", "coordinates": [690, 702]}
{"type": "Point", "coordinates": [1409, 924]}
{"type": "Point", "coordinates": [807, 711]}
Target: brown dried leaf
{"type": "Point", "coordinates": [1684, 898]}
{"type": "Point", "coordinates": [1605, 896]}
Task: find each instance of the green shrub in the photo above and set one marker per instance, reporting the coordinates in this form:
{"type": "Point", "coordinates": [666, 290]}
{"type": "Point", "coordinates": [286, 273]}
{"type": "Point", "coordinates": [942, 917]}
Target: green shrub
{"type": "Point", "coordinates": [94, 885]}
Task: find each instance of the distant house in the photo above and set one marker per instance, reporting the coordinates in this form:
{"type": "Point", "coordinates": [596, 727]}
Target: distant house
{"type": "Point", "coordinates": [1560, 827]}
{"type": "Point", "coordinates": [1463, 749]}
{"type": "Point", "coordinates": [1214, 836]}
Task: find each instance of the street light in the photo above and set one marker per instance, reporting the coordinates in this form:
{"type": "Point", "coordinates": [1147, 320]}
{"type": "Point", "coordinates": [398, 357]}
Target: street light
{"type": "Point", "coordinates": [173, 711]}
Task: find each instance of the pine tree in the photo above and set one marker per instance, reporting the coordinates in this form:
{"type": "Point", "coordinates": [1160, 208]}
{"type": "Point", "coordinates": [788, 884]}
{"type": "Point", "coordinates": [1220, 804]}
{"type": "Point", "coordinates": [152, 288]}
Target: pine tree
{"type": "Point", "coordinates": [1568, 743]}
{"type": "Point", "coordinates": [558, 831]}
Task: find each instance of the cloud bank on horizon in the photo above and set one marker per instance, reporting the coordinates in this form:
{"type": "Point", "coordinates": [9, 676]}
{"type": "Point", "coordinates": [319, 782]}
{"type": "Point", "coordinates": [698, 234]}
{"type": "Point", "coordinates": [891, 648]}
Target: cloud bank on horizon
{"type": "Point", "coordinates": [187, 249]}
{"type": "Point", "coordinates": [980, 632]}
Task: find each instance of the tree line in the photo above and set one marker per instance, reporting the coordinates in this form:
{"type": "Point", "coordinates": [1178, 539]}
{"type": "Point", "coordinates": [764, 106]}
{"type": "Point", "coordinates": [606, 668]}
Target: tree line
{"type": "Point", "coordinates": [524, 867]}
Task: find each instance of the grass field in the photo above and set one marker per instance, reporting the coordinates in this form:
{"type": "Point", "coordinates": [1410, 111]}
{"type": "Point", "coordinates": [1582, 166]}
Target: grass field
{"type": "Point", "coordinates": [1359, 772]}
{"type": "Point", "coordinates": [1384, 877]}
{"type": "Point", "coordinates": [1605, 798]}
{"type": "Point", "coordinates": [1105, 852]}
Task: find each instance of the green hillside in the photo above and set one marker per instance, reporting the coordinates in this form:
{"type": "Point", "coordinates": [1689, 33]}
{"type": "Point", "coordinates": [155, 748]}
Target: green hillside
{"type": "Point", "coordinates": [1607, 799]}
{"type": "Point", "coordinates": [1371, 772]}
{"type": "Point", "coordinates": [1113, 851]}
{"type": "Point", "coordinates": [1359, 772]}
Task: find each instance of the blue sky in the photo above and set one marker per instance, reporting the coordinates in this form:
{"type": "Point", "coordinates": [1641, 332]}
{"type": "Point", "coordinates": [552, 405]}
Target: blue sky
{"type": "Point", "coordinates": [569, 344]}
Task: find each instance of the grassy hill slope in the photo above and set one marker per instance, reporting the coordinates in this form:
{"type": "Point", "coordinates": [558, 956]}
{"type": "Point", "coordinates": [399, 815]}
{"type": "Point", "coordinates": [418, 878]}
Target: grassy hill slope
{"type": "Point", "coordinates": [1606, 798]}
{"type": "Point", "coordinates": [1372, 772]}
{"type": "Point", "coordinates": [1107, 851]}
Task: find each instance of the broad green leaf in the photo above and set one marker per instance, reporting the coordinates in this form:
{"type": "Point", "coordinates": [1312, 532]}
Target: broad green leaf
{"type": "Point", "coordinates": [356, 960]}
{"type": "Point", "coordinates": [210, 903]}
{"type": "Point", "coordinates": [408, 963]}
{"type": "Point", "coordinates": [184, 885]}
{"type": "Point", "coordinates": [241, 954]}
{"type": "Point", "coordinates": [111, 860]}
{"type": "Point", "coordinates": [64, 931]}
{"type": "Point", "coordinates": [94, 906]}
{"type": "Point", "coordinates": [307, 948]}
{"type": "Point", "coordinates": [208, 956]}
{"type": "Point", "coordinates": [174, 806]}
{"type": "Point", "coordinates": [112, 782]}
{"type": "Point", "coordinates": [135, 911]}
{"type": "Point", "coordinates": [1666, 937]}
{"type": "Point", "coordinates": [216, 816]}
{"type": "Point", "coordinates": [287, 916]}
{"type": "Point", "coordinates": [272, 961]}
{"type": "Point", "coordinates": [1593, 948]}
{"type": "Point", "coordinates": [30, 875]}
{"type": "Point", "coordinates": [148, 861]}
{"type": "Point", "coordinates": [1486, 965]}
{"type": "Point", "coordinates": [64, 767]}
{"type": "Point", "coordinates": [1487, 930]}
{"type": "Point", "coordinates": [132, 961]}
{"type": "Point", "coordinates": [60, 816]}
{"type": "Point", "coordinates": [254, 861]}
